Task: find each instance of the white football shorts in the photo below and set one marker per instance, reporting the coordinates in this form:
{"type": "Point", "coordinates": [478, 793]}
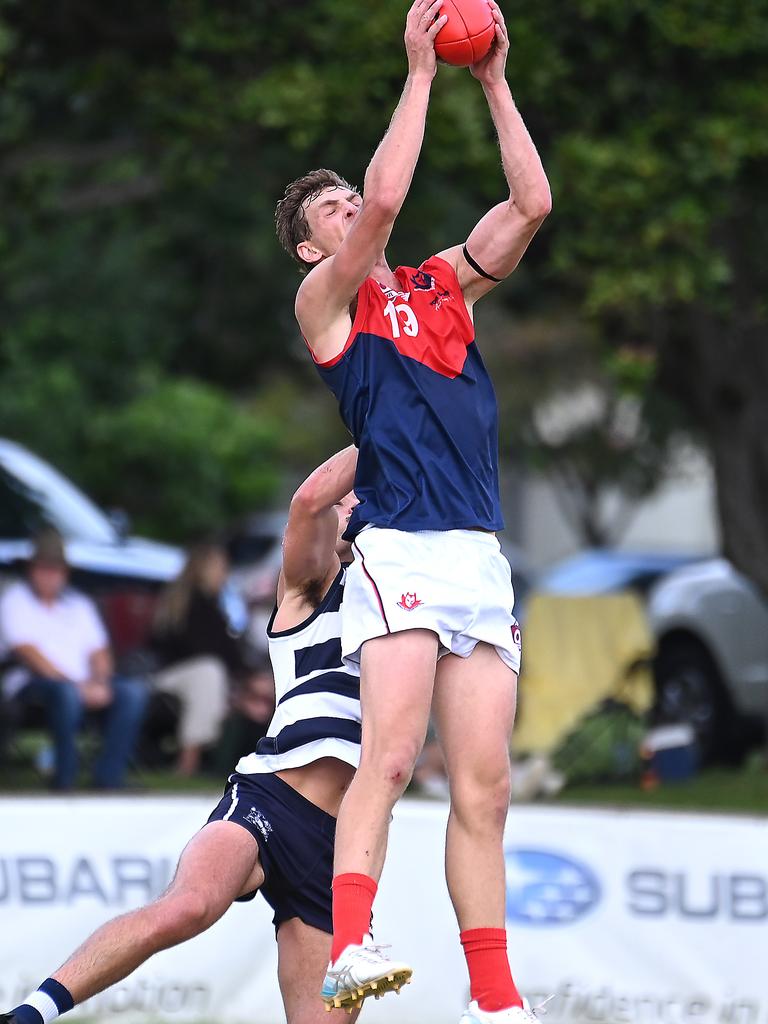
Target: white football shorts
{"type": "Point", "coordinates": [456, 583]}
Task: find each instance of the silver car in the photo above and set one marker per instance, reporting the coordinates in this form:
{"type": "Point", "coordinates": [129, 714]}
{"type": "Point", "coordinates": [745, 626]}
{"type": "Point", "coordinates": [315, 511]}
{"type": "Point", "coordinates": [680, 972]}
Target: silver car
{"type": "Point", "coordinates": [711, 624]}
{"type": "Point", "coordinates": [122, 573]}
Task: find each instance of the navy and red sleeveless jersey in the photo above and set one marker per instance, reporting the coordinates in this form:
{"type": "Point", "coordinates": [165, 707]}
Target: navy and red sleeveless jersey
{"type": "Point", "coordinates": [414, 393]}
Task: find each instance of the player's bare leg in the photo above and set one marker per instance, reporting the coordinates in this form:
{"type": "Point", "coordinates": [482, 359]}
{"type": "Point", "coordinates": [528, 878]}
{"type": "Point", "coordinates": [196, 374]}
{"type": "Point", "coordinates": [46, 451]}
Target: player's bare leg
{"type": "Point", "coordinates": [303, 954]}
{"type": "Point", "coordinates": [397, 676]}
{"type": "Point", "coordinates": [474, 709]}
{"type": "Point", "coordinates": [219, 864]}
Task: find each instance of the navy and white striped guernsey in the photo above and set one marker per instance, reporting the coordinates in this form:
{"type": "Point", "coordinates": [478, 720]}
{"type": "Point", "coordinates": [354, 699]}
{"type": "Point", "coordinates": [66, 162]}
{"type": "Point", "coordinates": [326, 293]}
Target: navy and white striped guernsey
{"type": "Point", "coordinates": [317, 711]}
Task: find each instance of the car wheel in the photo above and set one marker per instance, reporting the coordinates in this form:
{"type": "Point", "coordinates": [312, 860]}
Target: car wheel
{"type": "Point", "coordinates": [689, 689]}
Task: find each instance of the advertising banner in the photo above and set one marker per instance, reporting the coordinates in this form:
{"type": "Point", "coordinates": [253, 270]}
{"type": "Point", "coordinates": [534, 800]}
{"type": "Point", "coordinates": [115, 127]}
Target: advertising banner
{"type": "Point", "coordinates": [623, 917]}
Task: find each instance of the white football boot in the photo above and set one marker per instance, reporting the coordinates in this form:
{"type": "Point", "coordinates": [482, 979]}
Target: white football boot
{"type": "Point", "coordinates": [514, 1015]}
{"type": "Point", "coordinates": [362, 971]}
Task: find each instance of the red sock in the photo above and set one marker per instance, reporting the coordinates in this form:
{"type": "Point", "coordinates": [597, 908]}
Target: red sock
{"type": "Point", "coordinates": [352, 901]}
{"type": "Point", "coordinates": [490, 979]}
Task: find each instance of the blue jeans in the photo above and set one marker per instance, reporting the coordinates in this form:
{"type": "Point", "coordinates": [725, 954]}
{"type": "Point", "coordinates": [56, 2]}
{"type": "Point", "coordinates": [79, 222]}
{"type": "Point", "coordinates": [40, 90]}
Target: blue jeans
{"type": "Point", "coordinates": [120, 724]}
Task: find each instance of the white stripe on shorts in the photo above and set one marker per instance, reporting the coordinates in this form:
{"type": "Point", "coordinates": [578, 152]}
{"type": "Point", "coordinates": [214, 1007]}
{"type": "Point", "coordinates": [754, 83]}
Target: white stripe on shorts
{"type": "Point", "coordinates": [233, 805]}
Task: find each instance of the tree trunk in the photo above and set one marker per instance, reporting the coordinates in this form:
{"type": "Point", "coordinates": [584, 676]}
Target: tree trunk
{"type": "Point", "coordinates": [718, 370]}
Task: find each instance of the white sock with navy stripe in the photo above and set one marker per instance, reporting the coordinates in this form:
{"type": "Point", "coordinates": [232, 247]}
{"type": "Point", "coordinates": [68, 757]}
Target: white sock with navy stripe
{"type": "Point", "coordinates": [44, 1005]}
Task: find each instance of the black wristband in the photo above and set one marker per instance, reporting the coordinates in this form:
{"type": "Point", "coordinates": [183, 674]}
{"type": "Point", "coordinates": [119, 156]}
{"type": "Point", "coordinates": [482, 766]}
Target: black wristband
{"type": "Point", "coordinates": [478, 269]}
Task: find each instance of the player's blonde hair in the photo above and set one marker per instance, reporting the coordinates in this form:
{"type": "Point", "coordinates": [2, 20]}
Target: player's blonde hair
{"type": "Point", "coordinates": [290, 214]}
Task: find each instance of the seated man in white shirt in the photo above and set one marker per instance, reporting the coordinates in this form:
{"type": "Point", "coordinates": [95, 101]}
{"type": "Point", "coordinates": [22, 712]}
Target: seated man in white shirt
{"type": "Point", "coordinates": [62, 661]}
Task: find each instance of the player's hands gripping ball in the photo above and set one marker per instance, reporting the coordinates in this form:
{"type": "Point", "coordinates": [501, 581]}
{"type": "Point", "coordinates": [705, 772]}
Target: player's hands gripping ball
{"type": "Point", "coordinates": [469, 32]}
{"type": "Point", "coordinates": [422, 26]}
{"type": "Point", "coordinates": [491, 68]}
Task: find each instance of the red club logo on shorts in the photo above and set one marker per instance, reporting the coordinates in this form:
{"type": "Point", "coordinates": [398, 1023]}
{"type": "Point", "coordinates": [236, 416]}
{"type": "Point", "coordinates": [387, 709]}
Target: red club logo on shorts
{"type": "Point", "coordinates": [409, 602]}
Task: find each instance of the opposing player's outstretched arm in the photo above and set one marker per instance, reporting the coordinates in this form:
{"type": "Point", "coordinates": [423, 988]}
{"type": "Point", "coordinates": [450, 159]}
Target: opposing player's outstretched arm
{"type": "Point", "coordinates": [497, 243]}
{"type": "Point", "coordinates": [309, 544]}
{"type": "Point", "coordinates": [333, 283]}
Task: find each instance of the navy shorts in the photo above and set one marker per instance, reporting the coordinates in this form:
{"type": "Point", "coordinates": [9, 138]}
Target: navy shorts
{"type": "Point", "coordinates": [295, 839]}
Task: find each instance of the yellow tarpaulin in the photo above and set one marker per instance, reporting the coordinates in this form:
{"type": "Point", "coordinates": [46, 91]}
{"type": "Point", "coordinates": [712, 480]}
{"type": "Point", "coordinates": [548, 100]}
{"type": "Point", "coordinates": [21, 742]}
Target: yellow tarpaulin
{"type": "Point", "coordinates": [576, 652]}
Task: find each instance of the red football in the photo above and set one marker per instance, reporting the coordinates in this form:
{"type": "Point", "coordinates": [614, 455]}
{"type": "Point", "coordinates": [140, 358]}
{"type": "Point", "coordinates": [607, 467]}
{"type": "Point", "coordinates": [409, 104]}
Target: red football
{"type": "Point", "coordinates": [468, 34]}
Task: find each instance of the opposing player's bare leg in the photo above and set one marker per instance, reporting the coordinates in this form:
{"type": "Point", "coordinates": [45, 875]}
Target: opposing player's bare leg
{"type": "Point", "coordinates": [303, 954]}
{"type": "Point", "coordinates": [397, 676]}
{"type": "Point", "coordinates": [220, 863]}
{"type": "Point", "coordinates": [474, 709]}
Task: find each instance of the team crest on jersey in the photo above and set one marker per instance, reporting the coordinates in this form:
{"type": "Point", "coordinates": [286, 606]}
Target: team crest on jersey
{"type": "Point", "coordinates": [443, 295]}
{"type": "Point", "coordinates": [422, 281]}
{"type": "Point", "coordinates": [408, 602]}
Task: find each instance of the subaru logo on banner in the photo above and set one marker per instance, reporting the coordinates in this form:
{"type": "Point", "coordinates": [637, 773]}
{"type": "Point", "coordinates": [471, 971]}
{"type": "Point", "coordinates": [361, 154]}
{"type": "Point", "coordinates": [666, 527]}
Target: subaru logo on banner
{"type": "Point", "coordinates": [545, 888]}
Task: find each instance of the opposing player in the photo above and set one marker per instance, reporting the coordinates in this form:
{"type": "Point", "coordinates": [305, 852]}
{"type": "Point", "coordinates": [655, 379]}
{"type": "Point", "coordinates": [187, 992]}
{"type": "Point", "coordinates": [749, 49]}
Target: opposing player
{"type": "Point", "coordinates": [294, 780]}
{"type": "Point", "coordinates": [429, 596]}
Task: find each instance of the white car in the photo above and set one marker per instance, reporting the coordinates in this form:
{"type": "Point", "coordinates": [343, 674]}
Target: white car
{"type": "Point", "coordinates": [123, 573]}
{"type": "Point", "coordinates": [711, 624]}
{"type": "Point", "coordinates": [33, 494]}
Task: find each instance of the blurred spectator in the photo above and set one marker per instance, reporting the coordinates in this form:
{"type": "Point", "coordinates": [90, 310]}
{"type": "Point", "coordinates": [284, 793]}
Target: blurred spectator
{"type": "Point", "coordinates": [252, 707]}
{"type": "Point", "coordinates": [429, 775]}
{"type": "Point", "coordinates": [197, 651]}
{"type": "Point", "coordinates": [61, 661]}
{"type": "Point", "coordinates": [260, 612]}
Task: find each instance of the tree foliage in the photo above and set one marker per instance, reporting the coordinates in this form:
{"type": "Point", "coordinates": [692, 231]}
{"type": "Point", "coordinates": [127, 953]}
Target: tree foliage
{"type": "Point", "coordinates": [143, 147]}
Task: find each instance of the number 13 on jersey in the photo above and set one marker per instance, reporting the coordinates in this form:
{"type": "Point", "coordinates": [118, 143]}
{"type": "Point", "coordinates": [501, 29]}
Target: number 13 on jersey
{"type": "Point", "coordinates": [401, 315]}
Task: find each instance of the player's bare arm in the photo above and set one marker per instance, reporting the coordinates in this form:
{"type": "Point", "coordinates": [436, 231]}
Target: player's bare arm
{"type": "Point", "coordinates": [496, 245]}
{"type": "Point", "coordinates": [310, 561]}
{"type": "Point", "coordinates": [346, 251]}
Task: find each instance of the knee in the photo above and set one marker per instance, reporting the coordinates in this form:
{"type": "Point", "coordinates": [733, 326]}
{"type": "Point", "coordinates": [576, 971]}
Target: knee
{"type": "Point", "coordinates": [392, 766]}
{"type": "Point", "coordinates": [214, 683]}
{"type": "Point", "coordinates": [205, 683]}
{"type": "Point", "coordinates": [181, 917]}
{"type": "Point", "coordinates": [497, 797]}
{"type": "Point", "coordinates": [208, 673]}
{"type": "Point", "coordinates": [481, 799]}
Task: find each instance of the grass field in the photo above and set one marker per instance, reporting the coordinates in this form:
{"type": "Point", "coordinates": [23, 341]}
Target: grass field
{"type": "Point", "coordinates": [743, 790]}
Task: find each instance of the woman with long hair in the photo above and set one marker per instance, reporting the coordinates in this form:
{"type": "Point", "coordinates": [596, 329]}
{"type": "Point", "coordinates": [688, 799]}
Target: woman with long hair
{"type": "Point", "coordinates": [197, 651]}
